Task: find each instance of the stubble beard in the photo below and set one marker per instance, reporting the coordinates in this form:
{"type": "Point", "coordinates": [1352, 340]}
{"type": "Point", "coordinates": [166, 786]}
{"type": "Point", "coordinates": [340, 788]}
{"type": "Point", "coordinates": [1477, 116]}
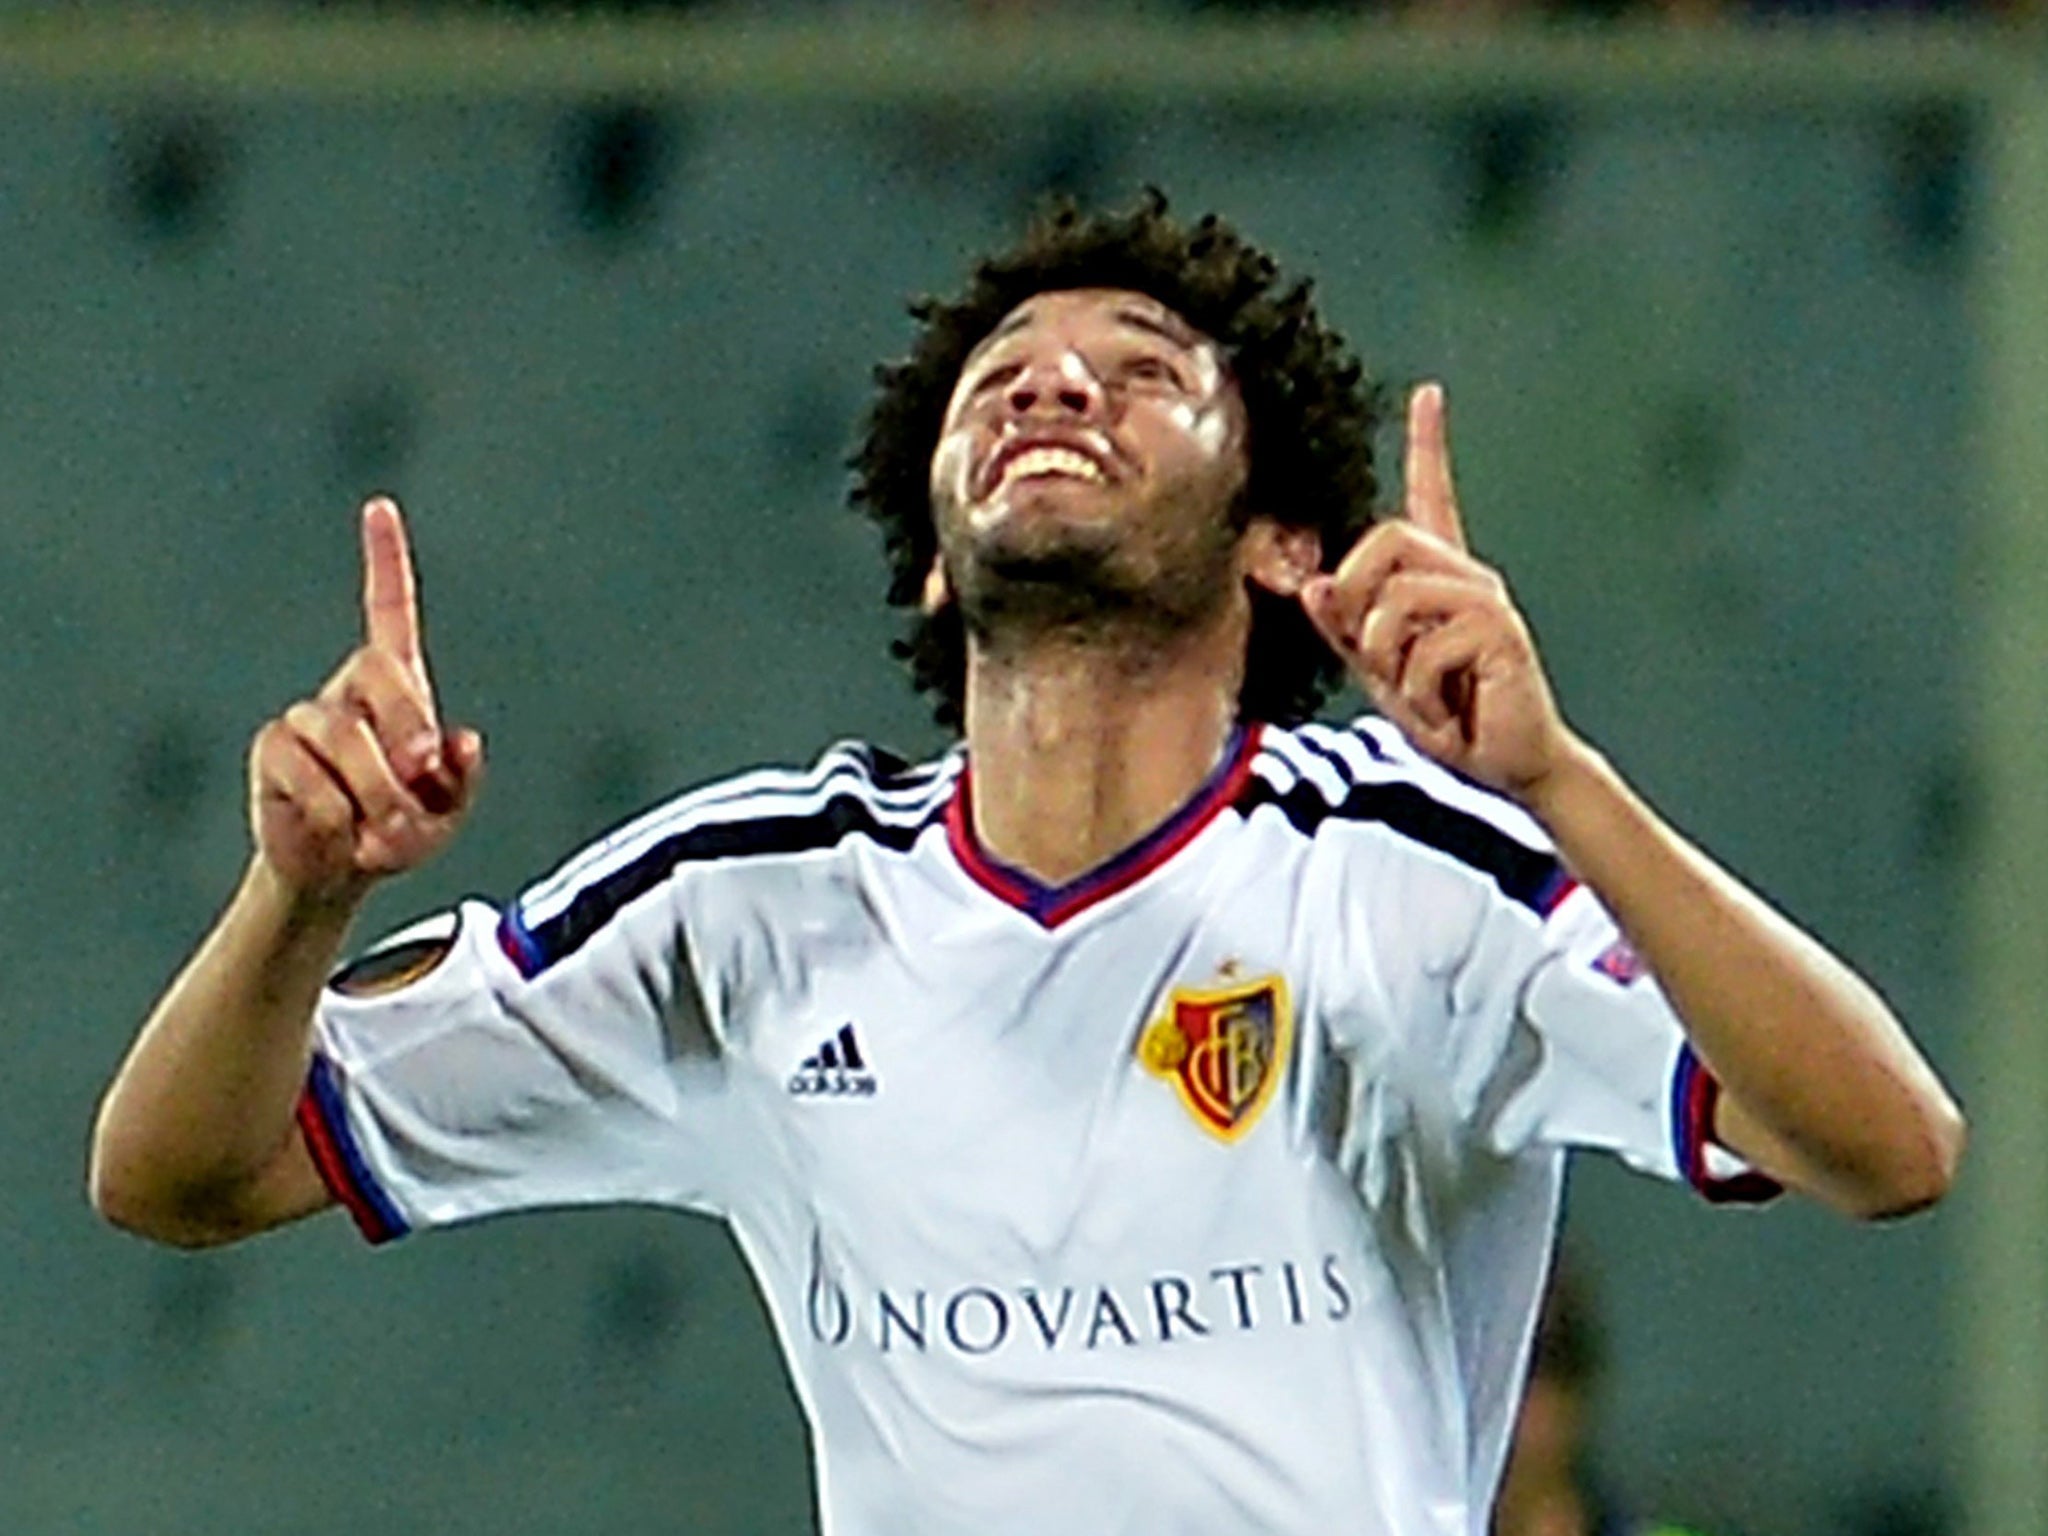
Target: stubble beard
{"type": "Point", "coordinates": [1125, 591]}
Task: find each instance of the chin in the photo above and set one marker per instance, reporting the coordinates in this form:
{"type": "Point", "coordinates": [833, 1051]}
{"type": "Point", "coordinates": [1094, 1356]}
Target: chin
{"type": "Point", "coordinates": [1028, 577]}
{"type": "Point", "coordinates": [1050, 548]}
{"type": "Point", "coordinates": [1056, 502]}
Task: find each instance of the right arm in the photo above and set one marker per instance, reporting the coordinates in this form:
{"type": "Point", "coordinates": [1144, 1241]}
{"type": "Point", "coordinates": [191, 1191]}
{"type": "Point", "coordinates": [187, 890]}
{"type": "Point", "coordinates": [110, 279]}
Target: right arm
{"type": "Point", "coordinates": [196, 1141]}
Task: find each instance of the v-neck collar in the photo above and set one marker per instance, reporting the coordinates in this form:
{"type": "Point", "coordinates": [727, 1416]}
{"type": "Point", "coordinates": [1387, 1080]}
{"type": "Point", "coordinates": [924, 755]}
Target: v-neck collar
{"type": "Point", "coordinates": [1051, 905]}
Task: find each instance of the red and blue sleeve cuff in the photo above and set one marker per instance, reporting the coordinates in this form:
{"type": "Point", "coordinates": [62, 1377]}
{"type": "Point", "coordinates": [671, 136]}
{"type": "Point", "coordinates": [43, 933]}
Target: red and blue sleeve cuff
{"type": "Point", "coordinates": [323, 1121]}
{"type": "Point", "coordinates": [1694, 1094]}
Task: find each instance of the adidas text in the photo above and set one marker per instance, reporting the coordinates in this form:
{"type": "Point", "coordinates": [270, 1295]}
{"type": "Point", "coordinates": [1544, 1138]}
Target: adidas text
{"type": "Point", "coordinates": [833, 1084]}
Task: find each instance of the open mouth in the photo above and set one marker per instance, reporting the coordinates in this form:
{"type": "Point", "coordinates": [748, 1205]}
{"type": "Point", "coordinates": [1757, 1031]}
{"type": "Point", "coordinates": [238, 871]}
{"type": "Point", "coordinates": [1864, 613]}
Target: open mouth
{"type": "Point", "coordinates": [1045, 461]}
{"type": "Point", "coordinates": [1053, 461]}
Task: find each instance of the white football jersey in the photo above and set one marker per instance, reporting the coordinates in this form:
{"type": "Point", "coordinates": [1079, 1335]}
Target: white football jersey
{"type": "Point", "coordinates": [1211, 1192]}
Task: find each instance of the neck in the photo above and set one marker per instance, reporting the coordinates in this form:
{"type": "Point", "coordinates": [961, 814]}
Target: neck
{"type": "Point", "coordinates": [1081, 745]}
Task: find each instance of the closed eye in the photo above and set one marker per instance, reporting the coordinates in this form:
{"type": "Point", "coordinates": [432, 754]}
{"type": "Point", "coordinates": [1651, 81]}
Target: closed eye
{"type": "Point", "coordinates": [1151, 369]}
{"type": "Point", "coordinates": [996, 378]}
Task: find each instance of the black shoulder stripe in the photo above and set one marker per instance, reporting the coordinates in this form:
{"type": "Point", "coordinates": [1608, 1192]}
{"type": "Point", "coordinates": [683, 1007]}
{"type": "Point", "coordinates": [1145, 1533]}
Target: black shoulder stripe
{"type": "Point", "coordinates": [888, 771]}
{"type": "Point", "coordinates": [842, 816]}
{"type": "Point", "coordinates": [1309, 744]}
{"type": "Point", "coordinates": [1523, 874]}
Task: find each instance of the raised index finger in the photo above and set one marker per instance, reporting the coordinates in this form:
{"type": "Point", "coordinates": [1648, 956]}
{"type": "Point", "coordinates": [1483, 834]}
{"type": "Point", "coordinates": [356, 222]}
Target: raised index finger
{"type": "Point", "coordinates": [391, 610]}
{"type": "Point", "coordinates": [1431, 501]}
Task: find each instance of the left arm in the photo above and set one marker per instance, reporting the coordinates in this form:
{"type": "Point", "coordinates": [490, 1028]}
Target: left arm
{"type": "Point", "coordinates": [1821, 1087]}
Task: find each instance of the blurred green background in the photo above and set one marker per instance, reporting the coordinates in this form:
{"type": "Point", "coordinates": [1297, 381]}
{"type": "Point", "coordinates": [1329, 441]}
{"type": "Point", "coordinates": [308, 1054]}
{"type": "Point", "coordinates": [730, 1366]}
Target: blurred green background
{"type": "Point", "coordinates": [1744, 334]}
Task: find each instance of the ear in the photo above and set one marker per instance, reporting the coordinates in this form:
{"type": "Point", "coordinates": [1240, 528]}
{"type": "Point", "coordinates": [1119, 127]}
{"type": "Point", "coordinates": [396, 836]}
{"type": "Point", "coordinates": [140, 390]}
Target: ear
{"type": "Point", "coordinates": [1279, 558]}
{"type": "Point", "coordinates": [937, 590]}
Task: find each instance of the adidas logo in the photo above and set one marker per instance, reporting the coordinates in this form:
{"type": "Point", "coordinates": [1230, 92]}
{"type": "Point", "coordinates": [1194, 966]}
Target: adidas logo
{"type": "Point", "coordinates": [836, 1069]}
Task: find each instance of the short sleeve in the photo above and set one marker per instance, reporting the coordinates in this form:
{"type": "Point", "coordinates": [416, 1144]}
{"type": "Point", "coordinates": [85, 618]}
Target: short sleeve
{"type": "Point", "coordinates": [1486, 1002]}
{"type": "Point", "coordinates": [1564, 1038]}
{"type": "Point", "coordinates": [487, 1084]}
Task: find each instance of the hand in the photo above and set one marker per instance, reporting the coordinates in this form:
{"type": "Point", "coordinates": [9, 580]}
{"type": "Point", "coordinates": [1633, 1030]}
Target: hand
{"type": "Point", "coordinates": [360, 781]}
{"type": "Point", "coordinates": [1433, 636]}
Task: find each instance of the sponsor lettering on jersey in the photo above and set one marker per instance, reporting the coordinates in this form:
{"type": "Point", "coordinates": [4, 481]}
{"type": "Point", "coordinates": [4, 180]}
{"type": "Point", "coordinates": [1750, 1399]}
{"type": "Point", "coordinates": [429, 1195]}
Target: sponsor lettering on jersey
{"type": "Point", "coordinates": [976, 1320]}
{"type": "Point", "coordinates": [1223, 1049]}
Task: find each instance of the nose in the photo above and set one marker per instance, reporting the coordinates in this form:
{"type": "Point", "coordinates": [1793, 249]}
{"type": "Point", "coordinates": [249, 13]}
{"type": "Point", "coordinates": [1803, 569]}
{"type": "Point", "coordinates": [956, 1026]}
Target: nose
{"type": "Point", "coordinates": [1056, 385]}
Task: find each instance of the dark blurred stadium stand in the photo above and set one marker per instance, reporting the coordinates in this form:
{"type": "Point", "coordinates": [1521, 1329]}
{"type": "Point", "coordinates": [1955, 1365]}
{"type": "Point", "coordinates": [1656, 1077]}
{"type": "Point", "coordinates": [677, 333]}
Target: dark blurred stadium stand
{"type": "Point", "coordinates": [1711, 358]}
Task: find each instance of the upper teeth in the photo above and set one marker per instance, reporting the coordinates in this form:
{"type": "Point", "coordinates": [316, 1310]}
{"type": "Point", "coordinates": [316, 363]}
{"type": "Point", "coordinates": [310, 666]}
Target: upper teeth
{"type": "Point", "coordinates": [1052, 461]}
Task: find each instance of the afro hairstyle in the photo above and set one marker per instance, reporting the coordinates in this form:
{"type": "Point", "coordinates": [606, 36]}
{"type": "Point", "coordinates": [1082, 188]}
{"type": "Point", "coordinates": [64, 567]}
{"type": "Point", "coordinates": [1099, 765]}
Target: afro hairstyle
{"type": "Point", "coordinates": [1312, 418]}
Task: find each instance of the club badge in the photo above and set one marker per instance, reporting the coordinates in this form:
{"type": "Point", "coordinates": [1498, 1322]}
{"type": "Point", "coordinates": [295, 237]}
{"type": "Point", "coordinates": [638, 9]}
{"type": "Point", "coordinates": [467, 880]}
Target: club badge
{"type": "Point", "coordinates": [1223, 1049]}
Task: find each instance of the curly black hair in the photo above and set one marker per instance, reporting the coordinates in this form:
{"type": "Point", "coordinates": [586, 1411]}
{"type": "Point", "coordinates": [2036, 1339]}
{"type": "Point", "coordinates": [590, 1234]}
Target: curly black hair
{"type": "Point", "coordinates": [1312, 418]}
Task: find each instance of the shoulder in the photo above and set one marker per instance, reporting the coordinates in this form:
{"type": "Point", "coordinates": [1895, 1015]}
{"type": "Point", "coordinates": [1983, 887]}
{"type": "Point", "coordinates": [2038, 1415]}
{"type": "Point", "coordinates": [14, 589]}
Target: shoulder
{"type": "Point", "coordinates": [1366, 777]}
{"type": "Point", "coordinates": [854, 791]}
{"type": "Point", "coordinates": [853, 788]}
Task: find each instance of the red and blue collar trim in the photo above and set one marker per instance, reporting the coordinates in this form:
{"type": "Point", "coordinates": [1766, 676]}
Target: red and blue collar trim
{"type": "Point", "coordinates": [1051, 905]}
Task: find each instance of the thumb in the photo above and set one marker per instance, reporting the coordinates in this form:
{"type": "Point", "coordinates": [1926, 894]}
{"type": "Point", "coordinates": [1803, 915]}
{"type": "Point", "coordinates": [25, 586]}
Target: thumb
{"type": "Point", "coordinates": [1319, 602]}
{"type": "Point", "coordinates": [465, 749]}
{"type": "Point", "coordinates": [465, 753]}
{"type": "Point", "coordinates": [448, 789]}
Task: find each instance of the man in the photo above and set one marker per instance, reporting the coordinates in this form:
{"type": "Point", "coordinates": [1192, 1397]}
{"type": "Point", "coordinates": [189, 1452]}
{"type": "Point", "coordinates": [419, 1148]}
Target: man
{"type": "Point", "coordinates": [1549, 1487]}
{"type": "Point", "coordinates": [1149, 1117]}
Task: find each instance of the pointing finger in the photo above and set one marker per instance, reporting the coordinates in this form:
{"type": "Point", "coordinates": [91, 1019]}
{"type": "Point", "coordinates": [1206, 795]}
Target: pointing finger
{"type": "Point", "coordinates": [391, 614]}
{"type": "Point", "coordinates": [1432, 503]}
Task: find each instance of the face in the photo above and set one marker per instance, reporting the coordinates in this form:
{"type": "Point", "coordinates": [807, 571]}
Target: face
{"type": "Point", "coordinates": [1090, 458]}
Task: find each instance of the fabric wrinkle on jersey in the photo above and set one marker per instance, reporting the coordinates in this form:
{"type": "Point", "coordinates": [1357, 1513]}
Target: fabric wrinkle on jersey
{"type": "Point", "coordinates": [1214, 1190]}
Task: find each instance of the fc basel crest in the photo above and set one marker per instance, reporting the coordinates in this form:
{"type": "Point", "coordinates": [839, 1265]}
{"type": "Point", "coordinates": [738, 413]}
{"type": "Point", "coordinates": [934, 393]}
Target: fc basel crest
{"type": "Point", "coordinates": [1223, 1049]}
